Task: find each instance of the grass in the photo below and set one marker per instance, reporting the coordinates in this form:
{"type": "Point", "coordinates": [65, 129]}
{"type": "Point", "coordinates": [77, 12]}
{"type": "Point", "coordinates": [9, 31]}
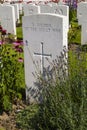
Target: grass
{"type": "Point", "coordinates": [2, 129]}
{"type": "Point", "coordinates": [24, 117]}
{"type": "Point", "coordinates": [74, 35]}
{"type": "Point", "coordinates": [19, 29]}
{"type": "Point", "coordinates": [19, 32]}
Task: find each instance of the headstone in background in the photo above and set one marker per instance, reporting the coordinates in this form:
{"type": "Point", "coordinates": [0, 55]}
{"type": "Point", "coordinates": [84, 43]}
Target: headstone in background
{"type": "Point", "coordinates": [1, 10]}
{"type": "Point", "coordinates": [53, 4]}
{"type": "Point", "coordinates": [82, 20]}
{"type": "Point", "coordinates": [82, 12]}
{"type": "Point", "coordinates": [44, 36]}
{"type": "Point", "coordinates": [45, 8]}
{"type": "Point", "coordinates": [31, 9]}
{"type": "Point", "coordinates": [62, 10]}
{"type": "Point", "coordinates": [49, 3]}
{"type": "Point", "coordinates": [84, 34]}
{"type": "Point", "coordinates": [16, 7]}
{"type": "Point", "coordinates": [20, 8]}
{"type": "Point", "coordinates": [6, 3]}
{"type": "Point", "coordinates": [8, 19]}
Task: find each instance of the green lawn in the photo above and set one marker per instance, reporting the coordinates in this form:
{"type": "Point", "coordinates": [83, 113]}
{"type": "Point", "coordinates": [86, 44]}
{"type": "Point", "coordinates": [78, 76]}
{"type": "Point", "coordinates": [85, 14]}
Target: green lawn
{"type": "Point", "coordinates": [19, 32]}
{"type": "Point", "coordinates": [74, 35]}
{"type": "Point", "coordinates": [19, 29]}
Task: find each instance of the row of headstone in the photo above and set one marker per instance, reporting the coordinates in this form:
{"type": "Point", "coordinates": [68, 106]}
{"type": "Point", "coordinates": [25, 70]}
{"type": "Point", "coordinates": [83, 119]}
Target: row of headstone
{"type": "Point", "coordinates": [58, 9]}
{"type": "Point", "coordinates": [44, 36]}
{"type": "Point", "coordinates": [20, 5]}
{"type": "Point", "coordinates": [10, 16]}
{"type": "Point", "coordinates": [82, 20]}
{"type": "Point", "coordinates": [17, 7]}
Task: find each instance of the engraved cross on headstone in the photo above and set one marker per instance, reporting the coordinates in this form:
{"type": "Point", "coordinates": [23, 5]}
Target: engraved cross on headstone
{"type": "Point", "coordinates": [43, 55]}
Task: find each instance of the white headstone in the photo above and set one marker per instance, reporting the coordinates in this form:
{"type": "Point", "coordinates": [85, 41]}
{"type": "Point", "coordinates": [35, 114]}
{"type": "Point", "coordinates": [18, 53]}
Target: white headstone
{"type": "Point", "coordinates": [8, 19]}
{"type": "Point", "coordinates": [82, 20]}
{"type": "Point", "coordinates": [16, 7]}
{"type": "Point", "coordinates": [31, 9]}
{"type": "Point", "coordinates": [6, 3]}
{"type": "Point", "coordinates": [44, 35]}
{"type": "Point", "coordinates": [53, 4]}
{"type": "Point", "coordinates": [62, 10]}
{"type": "Point", "coordinates": [20, 8]}
{"type": "Point", "coordinates": [82, 12]}
{"type": "Point", "coordinates": [45, 8]}
{"type": "Point", "coordinates": [1, 10]}
{"type": "Point", "coordinates": [84, 34]}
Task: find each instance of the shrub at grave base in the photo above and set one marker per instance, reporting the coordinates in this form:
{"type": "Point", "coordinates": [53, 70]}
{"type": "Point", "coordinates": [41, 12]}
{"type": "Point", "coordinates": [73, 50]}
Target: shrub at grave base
{"type": "Point", "coordinates": [23, 119]}
{"type": "Point", "coordinates": [64, 105]}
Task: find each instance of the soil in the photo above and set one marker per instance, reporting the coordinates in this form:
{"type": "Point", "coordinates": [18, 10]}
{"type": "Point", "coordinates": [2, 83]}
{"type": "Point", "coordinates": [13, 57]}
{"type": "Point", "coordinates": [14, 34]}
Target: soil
{"type": "Point", "coordinates": [8, 120]}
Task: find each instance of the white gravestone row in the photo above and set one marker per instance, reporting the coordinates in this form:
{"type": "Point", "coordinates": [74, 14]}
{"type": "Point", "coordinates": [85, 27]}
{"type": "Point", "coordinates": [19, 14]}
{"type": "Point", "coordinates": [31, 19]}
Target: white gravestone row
{"type": "Point", "coordinates": [44, 36]}
{"type": "Point", "coordinates": [16, 8]}
{"type": "Point", "coordinates": [7, 16]}
{"type": "Point", "coordinates": [82, 20]}
{"type": "Point", "coordinates": [42, 8]}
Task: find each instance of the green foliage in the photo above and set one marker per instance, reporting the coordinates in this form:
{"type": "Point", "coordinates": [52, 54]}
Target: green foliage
{"type": "Point", "coordinates": [2, 129]}
{"type": "Point", "coordinates": [74, 34]}
{"type": "Point", "coordinates": [84, 48]}
{"type": "Point", "coordinates": [11, 74]}
{"type": "Point", "coordinates": [19, 32]}
{"type": "Point", "coordinates": [64, 104]}
{"type": "Point", "coordinates": [72, 14]}
{"type": "Point", "coordinates": [6, 103]}
{"type": "Point", "coordinates": [24, 118]}
{"type": "Point", "coordinates": [19, 29]}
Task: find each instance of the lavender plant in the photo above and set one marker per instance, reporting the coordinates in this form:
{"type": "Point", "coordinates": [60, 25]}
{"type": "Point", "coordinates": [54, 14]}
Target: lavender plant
{"type": "Point", "coordinates": [64, 96]}
{"type": "Point", "coordinates": [64, 105]}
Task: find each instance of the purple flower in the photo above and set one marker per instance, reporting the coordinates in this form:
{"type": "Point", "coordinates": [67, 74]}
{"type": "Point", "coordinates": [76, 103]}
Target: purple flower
{"type": "Point", "coordinates": [75, 4]}
{"type": "Point", "coordinates": [19, 49]}
{"type": "Point", "coordinates": [20, 42]}
{"type": "Point", "coordinates": [1, 42]}
{"type": "Point", "coordinates": [16, 44]}
{"type": "Point", "coordinates": [20, 59]}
